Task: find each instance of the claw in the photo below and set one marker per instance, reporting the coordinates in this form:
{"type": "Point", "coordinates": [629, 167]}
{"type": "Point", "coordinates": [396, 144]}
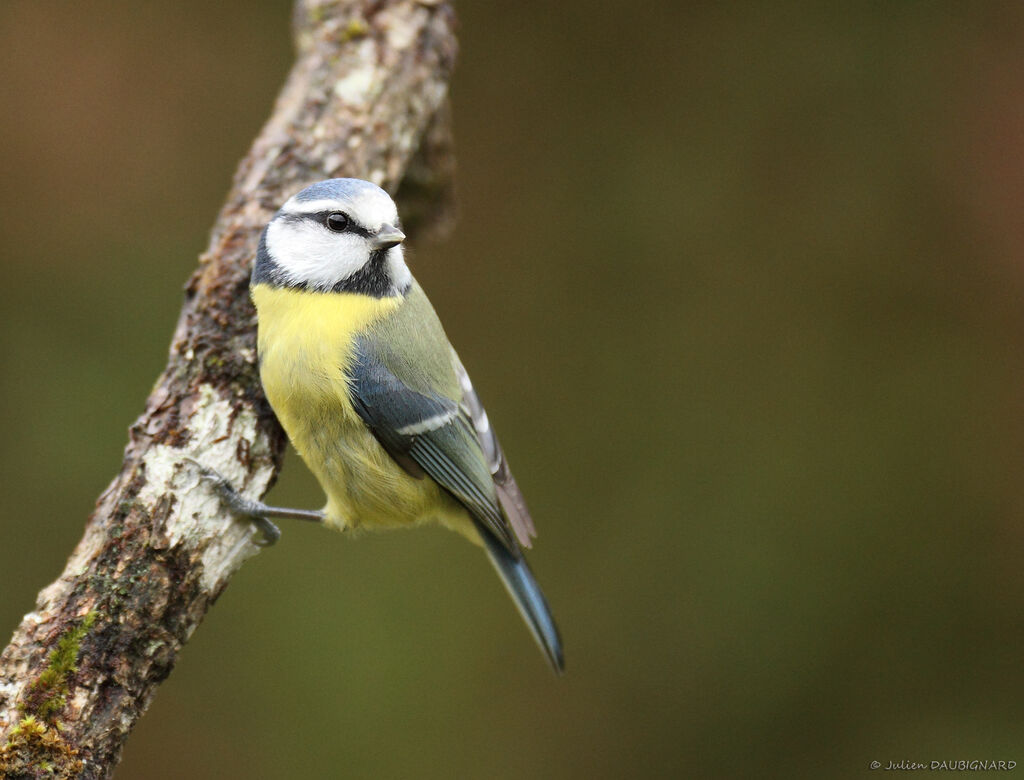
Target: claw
{"type": "Point", "coordinates": [269, 533]}
{"type": "Point", "coordinates": [214, 477]}
{"type": "Point", "coordinates": [205, 472]}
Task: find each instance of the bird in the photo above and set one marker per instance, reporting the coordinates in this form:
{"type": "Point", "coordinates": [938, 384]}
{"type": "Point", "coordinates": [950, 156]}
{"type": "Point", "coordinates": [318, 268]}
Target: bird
{"type": "Point", "coordinates": [362, 377]}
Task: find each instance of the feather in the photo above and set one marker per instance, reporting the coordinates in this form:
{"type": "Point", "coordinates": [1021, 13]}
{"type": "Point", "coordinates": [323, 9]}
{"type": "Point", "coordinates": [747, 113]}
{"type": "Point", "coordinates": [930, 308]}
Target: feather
{"type": "Point", "coordinates": [522, 587]}
{"type": "Point", "coordinates": [509, 495]}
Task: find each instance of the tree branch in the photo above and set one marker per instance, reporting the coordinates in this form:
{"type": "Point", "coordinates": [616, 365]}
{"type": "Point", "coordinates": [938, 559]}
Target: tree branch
{"type": "Point", "coordinates": [369, 82]}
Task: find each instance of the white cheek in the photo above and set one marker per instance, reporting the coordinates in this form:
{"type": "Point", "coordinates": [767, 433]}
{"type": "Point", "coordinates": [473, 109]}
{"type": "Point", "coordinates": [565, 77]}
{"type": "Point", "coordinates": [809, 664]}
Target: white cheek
{"type": "Point", "coordinates": [307, 253]}
{"type": "Point", "coordinates": [397, 269]}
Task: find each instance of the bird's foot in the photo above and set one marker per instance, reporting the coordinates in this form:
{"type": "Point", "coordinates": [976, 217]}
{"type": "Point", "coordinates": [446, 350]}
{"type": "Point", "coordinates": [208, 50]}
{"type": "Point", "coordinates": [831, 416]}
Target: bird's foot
{"type": "Point", "coordinates": [254, 511]}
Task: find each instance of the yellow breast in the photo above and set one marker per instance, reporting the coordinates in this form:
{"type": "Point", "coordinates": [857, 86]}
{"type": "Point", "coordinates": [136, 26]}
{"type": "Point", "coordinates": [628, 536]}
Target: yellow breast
{"type": "Point", "coordinates": [306, 343]}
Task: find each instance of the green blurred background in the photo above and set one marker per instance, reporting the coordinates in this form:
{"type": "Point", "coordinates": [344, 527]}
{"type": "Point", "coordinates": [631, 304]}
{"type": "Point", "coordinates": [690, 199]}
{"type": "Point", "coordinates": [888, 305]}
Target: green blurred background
{"type": "Point", "coordinates": [742, 290]}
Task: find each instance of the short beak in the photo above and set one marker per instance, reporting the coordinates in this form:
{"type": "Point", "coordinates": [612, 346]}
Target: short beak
{"type": "Point", "coordinates": [387, 237]}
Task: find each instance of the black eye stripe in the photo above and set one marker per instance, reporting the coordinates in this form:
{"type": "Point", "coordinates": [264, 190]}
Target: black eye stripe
{"type": "Point", "coordinates": [320, 217]}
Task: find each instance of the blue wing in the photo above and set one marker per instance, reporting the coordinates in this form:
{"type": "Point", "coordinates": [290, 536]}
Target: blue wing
{"type": "Point", "coordinates": [428, 434]}
{"type": "Point", "coordinates": [451, 441]}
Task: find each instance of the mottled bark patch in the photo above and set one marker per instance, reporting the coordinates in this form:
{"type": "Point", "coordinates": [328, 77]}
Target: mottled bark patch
{"type": "Point", "coordinates": [160, 548]}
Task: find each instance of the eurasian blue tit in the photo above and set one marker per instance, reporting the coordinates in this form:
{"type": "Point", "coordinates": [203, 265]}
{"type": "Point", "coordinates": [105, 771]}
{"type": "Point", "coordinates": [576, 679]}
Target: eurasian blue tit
{"type": "Point", "coordinates": [359, 371]}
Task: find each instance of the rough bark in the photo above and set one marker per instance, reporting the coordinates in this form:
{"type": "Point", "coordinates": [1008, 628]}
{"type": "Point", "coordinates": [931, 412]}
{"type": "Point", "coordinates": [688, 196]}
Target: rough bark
{"type": "Point", "coordinates": [369, 84]}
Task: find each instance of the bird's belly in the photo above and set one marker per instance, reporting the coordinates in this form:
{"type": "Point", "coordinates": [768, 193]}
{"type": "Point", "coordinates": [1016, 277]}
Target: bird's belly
{"type": "Point", "coordinates": [365, 487]}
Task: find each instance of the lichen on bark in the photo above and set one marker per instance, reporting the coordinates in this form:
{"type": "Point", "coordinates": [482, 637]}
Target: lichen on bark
{"type": "Point", "coordinates": [37, 747]}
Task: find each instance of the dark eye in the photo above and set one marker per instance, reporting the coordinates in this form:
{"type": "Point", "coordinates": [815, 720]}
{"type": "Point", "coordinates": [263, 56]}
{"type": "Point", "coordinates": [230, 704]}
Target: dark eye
{"type": "Point", "coordinates": [337, 221]}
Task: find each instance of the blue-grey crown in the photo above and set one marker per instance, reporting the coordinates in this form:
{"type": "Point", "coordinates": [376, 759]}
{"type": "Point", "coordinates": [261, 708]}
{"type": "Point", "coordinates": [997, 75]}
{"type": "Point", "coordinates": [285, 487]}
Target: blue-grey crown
{"type": "Point", "coordinates": [337, 189]}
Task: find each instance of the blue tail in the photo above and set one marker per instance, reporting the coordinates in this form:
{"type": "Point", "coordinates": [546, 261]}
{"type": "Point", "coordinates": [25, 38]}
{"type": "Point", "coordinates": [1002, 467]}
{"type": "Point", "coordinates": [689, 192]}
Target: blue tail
{"type": "Point", "coordinates": [525, 592]}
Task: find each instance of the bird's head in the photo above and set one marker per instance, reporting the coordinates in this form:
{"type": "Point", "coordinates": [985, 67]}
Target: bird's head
{"type": "Point", "coordinates": [336, 235]}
